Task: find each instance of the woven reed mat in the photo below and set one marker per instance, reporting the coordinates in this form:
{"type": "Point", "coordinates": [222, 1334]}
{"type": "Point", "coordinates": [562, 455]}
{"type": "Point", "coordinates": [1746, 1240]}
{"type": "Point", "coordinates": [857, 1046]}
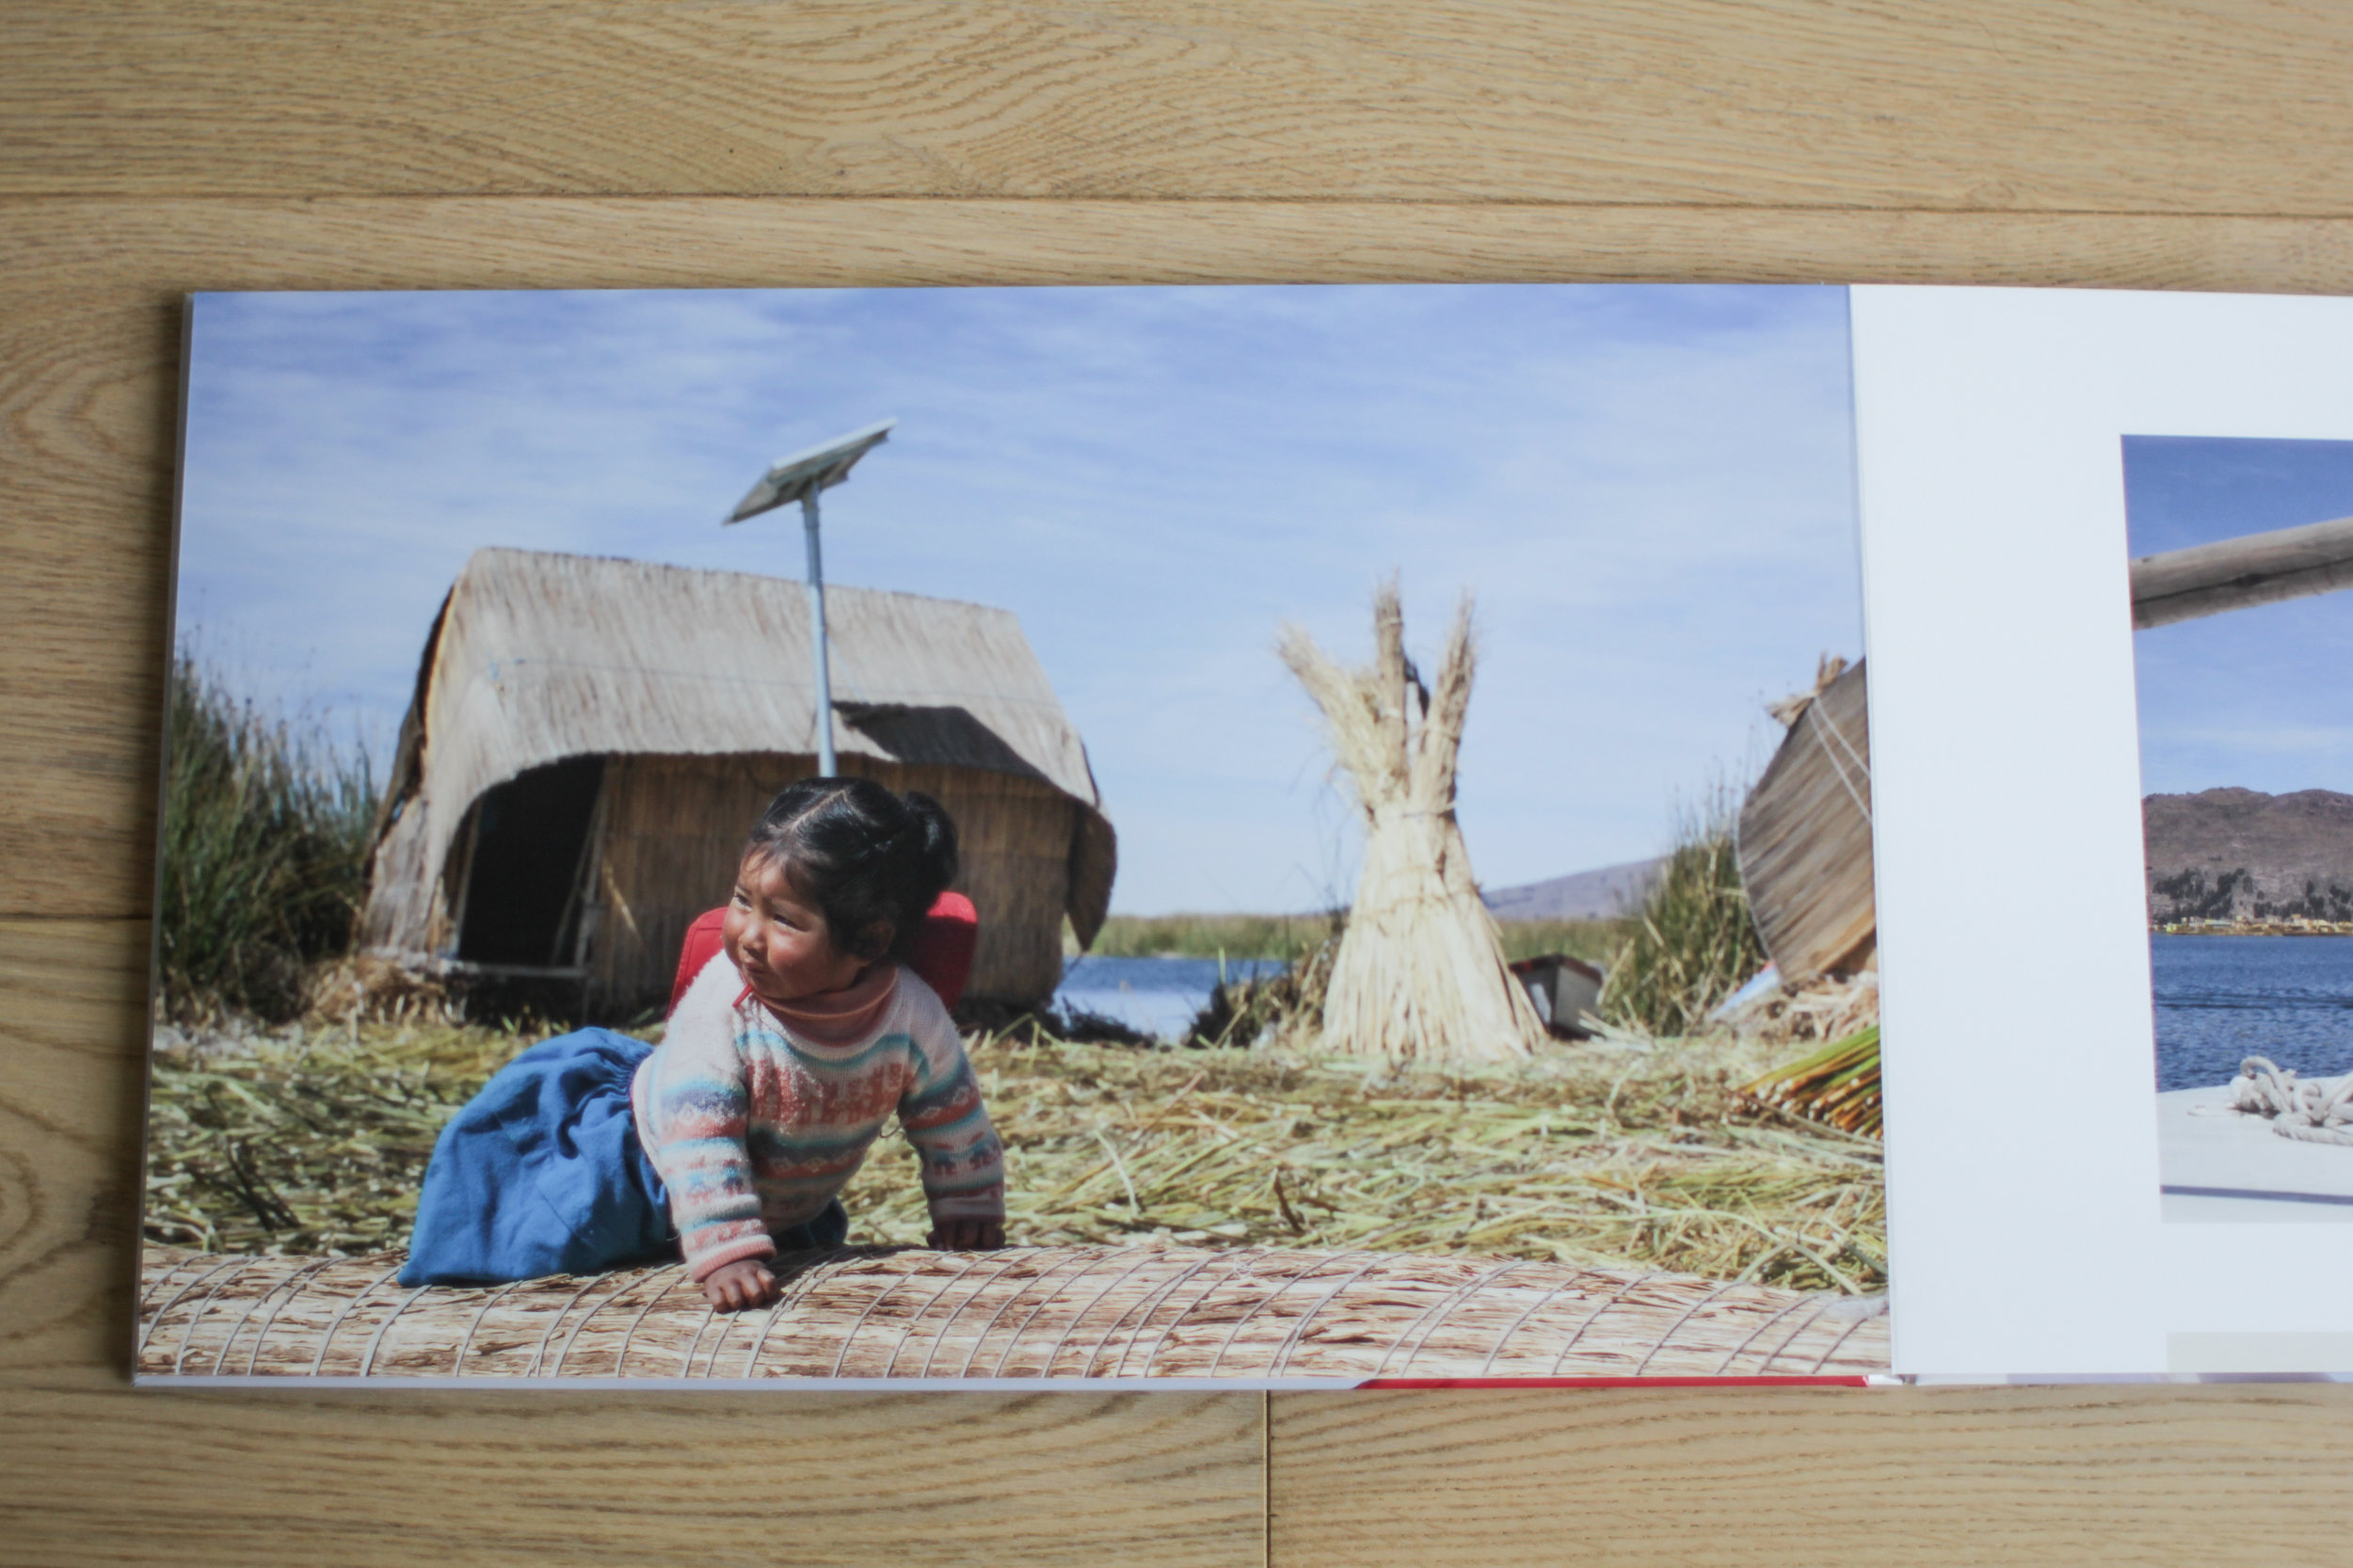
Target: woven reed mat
{"type": "Point", "coordinates": [1025, 1312]}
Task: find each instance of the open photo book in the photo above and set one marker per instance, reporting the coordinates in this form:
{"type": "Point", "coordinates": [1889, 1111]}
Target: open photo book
{"type": "Point", "coordinates": [1254, 837]}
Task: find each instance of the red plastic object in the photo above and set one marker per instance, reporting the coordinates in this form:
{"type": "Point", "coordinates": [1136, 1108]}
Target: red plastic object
{"type": "Point", "coordinates": [942, 953]}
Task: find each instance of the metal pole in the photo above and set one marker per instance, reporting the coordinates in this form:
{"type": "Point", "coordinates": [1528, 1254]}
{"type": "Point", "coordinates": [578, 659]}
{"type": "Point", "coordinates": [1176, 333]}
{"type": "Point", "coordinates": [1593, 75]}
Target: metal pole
{"type": "Point", "coordinates": [817, 625]}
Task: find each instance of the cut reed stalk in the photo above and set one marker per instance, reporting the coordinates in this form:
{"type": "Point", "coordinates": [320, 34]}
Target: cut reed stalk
{"type": "Point", "coordinates": [1838, 1084]}
{"type": "Point", "coordinates": [1591, 1156]}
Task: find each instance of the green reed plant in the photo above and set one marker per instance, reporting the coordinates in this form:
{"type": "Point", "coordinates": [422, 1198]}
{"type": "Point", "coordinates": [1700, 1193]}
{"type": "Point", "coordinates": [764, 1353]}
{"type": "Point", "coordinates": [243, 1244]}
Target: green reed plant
{"type": "Point", "coordinates": [1838, 1084]}
{"type": "Point", "coordinates": [1596, 941]}
{"type": "Point", "coordinates": [265, 838]}
{"type": "Point", "coordinates": [1288, 938]}
{"type": "Point", "coordinates": [1693, 942]}
{"type": "Point", "coordinates": [1293, 938]}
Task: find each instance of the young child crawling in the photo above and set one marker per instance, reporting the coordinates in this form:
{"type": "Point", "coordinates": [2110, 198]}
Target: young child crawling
{"type": "Point", "coordinates": [733, 1139]}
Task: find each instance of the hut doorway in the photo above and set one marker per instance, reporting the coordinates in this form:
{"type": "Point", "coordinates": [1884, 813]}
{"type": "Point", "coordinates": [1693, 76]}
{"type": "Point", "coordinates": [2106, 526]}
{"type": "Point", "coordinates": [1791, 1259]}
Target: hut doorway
{"type": "Point", "coordinates": [528, 869]}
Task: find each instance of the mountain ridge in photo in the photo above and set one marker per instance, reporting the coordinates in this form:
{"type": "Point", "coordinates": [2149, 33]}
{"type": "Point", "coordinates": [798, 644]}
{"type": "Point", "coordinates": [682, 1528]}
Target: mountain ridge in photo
{"type": "Point", "coordinates": [2234, 854]}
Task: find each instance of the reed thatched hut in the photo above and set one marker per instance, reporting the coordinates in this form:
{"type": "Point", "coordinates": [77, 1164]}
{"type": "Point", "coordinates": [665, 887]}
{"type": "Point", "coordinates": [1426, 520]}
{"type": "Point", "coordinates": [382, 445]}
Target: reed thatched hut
{"type": "Point", "coordinates": [591, 739]}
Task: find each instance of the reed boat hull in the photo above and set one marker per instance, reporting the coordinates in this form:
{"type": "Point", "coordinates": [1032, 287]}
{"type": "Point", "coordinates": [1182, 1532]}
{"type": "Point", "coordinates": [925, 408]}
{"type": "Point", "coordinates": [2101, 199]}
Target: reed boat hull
{"type": "Point", "coordinates": [1805, 840]}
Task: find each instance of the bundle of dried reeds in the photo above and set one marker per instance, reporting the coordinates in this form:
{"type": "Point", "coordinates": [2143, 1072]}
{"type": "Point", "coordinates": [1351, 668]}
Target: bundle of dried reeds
{"type": "Point", "coordinates": [1838, 1084]}
{"type": "Point", "coordinates": [1102, 1312]}
{"type": "Point", "coordinates": [1420, 973]}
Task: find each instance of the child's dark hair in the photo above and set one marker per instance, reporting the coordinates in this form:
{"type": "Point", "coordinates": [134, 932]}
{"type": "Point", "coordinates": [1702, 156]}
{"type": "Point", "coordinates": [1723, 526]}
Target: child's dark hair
{"type": "Point", "coordinates": [861, 854]}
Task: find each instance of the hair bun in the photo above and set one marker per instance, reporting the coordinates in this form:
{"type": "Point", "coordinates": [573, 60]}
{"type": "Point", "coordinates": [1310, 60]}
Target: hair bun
{"type": "Point", "coordinates": [865, 856]}
{"type": "Point", "coordinates": [935, 850]}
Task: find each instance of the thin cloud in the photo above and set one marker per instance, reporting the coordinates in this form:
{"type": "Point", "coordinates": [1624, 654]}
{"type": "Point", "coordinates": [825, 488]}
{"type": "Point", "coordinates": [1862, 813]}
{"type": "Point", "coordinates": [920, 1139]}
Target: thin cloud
{"type": "Point", "coordinates": [1648, 489]}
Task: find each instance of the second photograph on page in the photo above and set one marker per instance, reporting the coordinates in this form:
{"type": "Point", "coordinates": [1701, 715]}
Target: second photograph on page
{"type": "Point", "coordinates": [1271, 835]}
{"type": "Point", "coordinates": [2242, 549]}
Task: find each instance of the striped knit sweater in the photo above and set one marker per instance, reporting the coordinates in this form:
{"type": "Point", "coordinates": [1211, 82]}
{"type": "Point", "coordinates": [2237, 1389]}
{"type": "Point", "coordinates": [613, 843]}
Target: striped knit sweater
{"type": "Point", "coordinates": [753, 1130]}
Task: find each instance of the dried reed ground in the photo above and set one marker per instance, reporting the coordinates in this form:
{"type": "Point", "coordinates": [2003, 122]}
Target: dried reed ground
{"type": "Point", "coordinates": [1611, 1154]}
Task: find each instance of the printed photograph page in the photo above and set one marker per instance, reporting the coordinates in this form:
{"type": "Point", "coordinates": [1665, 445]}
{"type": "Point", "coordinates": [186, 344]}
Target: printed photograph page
{"type": "Point", "coordinates": [1284, 835]}
{"type": "Point", "coordinates": [2107, 540]}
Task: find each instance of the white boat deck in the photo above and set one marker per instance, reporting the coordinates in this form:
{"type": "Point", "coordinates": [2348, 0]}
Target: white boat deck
{"type": "Point", "coordinates": [2222, 1166]}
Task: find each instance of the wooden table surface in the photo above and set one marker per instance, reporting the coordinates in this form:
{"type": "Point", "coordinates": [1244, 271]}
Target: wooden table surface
{"type": "Point", "coordinates": [148, 149]}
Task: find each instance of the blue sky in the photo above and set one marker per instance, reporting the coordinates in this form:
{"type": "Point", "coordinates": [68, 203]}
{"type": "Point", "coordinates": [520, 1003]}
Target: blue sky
{"type": "Point", "coordinates": [2253, 698]}
{"type": "Point", "coordinates": [1649, 490]}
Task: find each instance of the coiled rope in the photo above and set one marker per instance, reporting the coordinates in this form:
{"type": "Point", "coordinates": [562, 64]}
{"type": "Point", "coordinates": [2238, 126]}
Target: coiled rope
{"type": "Point", "coordinates": [2314, 1109]}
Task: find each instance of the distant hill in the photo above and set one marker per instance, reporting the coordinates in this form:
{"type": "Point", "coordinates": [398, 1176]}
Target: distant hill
{"type": "Point", "coordinates": [2244, 854]}
{"type": "Point", "coordinates": [1594, 895]}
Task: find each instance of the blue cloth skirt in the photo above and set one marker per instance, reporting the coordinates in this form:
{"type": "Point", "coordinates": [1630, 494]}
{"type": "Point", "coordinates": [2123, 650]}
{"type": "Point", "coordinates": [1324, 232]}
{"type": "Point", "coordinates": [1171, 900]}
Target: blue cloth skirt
{"type": "Point", "coordinates": [542, 1174]}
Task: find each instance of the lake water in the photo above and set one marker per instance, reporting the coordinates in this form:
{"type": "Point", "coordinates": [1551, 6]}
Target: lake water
{"type": "Point", "coordinates": [1159, 996]}
{"type": "Point", "coordinates": [2223, 997]}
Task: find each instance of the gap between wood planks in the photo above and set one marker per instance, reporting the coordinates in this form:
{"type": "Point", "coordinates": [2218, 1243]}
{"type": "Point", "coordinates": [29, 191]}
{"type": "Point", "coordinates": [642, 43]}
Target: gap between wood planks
{"type": "Point", "coordinates": [942, 199]}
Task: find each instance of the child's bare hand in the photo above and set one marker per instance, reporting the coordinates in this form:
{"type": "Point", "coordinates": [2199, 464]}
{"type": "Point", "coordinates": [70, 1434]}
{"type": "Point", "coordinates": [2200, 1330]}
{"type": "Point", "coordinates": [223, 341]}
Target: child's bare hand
{"type": "Point", "coordinates": [966, 1236]}
{"type": "Point", "coordinates": [745, 1283]}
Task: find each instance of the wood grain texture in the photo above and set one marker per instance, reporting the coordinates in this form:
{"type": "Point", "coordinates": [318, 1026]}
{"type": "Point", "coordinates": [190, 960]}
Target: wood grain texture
{"type": "Point", "coordinates": [72, 1036]}
{"type": "Point", "coordinates": [101, 1473]}
{"type": "Point", "coordinates": [2123, 1475]}
{"type": "Point", "coordinates": [2106, 106]}
{"type": "Point", "coordinates": [450, 1478]}
{"type": "Point", "coordinates": [89, 343]}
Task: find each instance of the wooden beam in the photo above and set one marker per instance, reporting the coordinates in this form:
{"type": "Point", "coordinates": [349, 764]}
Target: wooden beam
{"type": "Point", "coordinates": [2231, 574]}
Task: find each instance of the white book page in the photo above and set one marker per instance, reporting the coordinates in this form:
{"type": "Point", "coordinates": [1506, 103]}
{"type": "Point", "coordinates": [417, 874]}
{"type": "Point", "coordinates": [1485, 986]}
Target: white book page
{"type": "Point", "coordinates": [2025, 1235]}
